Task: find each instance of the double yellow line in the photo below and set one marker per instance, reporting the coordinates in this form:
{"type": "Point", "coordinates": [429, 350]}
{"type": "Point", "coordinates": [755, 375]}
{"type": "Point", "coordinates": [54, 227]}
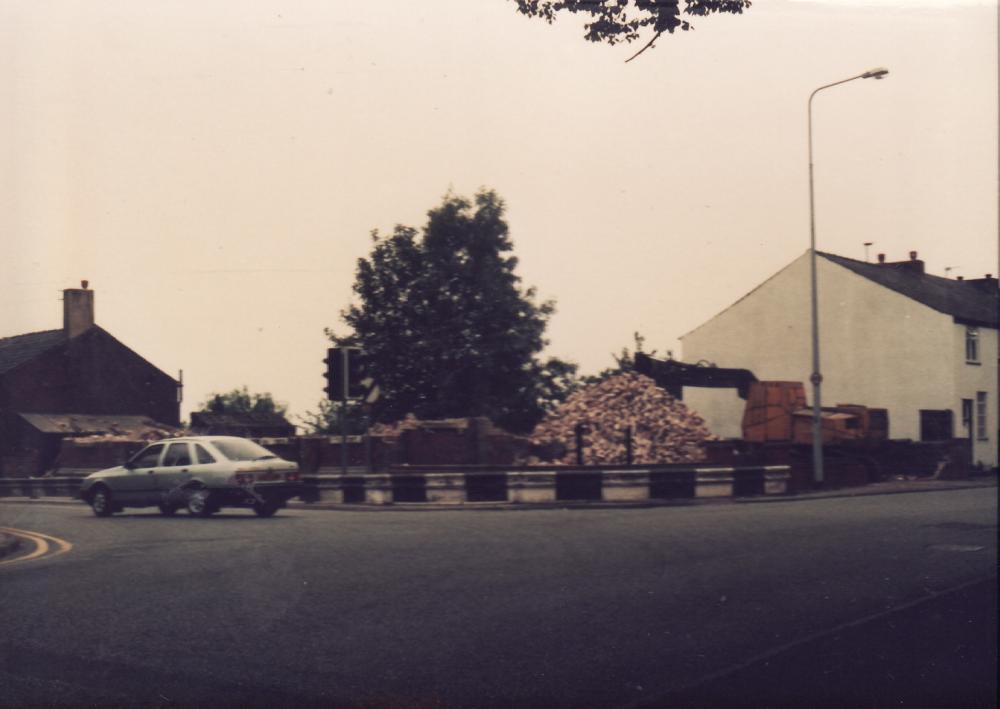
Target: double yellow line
{"type": "Point", "coordinates": [45, 545]}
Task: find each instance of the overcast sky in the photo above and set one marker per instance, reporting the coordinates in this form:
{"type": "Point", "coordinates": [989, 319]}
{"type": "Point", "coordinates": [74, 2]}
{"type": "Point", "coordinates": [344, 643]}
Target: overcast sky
{"type": "Point", "coordinates": [214, 168]}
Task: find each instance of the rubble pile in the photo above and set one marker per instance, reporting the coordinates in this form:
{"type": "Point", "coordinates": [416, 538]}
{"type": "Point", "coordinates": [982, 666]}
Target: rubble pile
{"type": "Point", "coordinates": [664, 430]}
{"type": "Point", "coordinates": [391, 430]}
{"type": "Point", "coordinates": [149, 433]}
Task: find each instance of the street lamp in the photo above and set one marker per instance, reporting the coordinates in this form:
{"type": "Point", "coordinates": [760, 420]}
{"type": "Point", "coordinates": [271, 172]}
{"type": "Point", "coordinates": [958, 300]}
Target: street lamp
{"type": "Point", "coordinates": [816, 378]}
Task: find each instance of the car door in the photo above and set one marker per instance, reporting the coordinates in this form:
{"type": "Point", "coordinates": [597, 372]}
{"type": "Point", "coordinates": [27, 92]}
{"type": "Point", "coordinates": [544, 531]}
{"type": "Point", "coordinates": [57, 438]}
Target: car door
{"type": "Point", "coordinates": [175, 470]}
{"type": "Point", "coordinates": [138, 486]}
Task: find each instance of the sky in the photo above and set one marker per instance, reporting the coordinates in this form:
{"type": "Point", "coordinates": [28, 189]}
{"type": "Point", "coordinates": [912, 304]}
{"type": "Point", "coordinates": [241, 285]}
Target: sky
{"type": "Point", "coordinates": [214, 168]}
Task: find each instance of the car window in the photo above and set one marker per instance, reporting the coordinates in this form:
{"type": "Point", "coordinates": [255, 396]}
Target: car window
{"type": "Point", "coordinates": [149, 458]}
{"type": "Point", "coordinates": [202, 455]}
{"type": "Point", "coordinates": [177, 454]}
{"type": "Point", "coordinates": [241, 449]}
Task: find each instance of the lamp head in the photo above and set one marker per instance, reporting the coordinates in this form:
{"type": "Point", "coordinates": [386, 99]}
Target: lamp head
{"type": "Point", "coordinates": [878, 73]}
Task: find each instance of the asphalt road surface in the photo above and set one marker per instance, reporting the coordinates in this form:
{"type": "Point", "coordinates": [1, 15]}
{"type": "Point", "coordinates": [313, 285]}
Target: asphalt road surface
{"type": "Point", "coordinates": [872, 601]}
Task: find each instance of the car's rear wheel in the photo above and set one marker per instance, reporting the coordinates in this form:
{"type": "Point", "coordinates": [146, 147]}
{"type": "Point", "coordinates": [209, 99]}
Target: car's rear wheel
{"type": "Point", "coordinates": [101, 502]}
{"type": "Point", "coordinates": [167, 510]}
{"type": "Point", "coordinates": [267, 508]}
{"type": "Point", "coordinates": [199, 503]}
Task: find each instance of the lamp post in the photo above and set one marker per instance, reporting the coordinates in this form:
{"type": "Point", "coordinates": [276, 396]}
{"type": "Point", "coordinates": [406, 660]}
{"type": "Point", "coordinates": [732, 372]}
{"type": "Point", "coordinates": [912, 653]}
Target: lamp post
{"type": "Point", "coordinates": [816, 378]}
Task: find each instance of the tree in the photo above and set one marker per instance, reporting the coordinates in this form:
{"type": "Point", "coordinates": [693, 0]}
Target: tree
{"type": "Point", "coordinates": [326, 419]}
{"type": "Point", "coordinates": [241, 401]}
{"type": "Point", "coordinates": [445, 325]}
{"type": "Point", "coordinates": [615, 21]}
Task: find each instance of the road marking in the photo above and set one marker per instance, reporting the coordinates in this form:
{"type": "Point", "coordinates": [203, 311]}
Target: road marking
{"type": "Point", "coordinates": [43, 544]}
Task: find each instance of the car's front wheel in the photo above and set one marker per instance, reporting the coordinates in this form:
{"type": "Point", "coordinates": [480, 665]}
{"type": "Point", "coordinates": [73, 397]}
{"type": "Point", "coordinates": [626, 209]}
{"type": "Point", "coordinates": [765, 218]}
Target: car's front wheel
{"type": "Point", "coordinates": [101, 502]}
{"type": "Point", "coordinates": [167, 510]}
{"type": "Point", "coordinates": [199, 503]}
{"type": "Point", "coordinates": [266, 508]}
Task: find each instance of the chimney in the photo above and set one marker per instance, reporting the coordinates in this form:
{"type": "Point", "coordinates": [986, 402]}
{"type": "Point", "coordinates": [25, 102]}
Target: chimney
{"type": "Point", "coordinates": [914, 265]}
{"type": "Point", "coordinates": [78, 310]}
{"type": "Point", "coordinates": [988, 284]}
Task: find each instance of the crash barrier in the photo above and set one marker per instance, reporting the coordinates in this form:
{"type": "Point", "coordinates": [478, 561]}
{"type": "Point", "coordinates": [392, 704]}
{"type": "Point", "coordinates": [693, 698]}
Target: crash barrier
{"type": "Point", "coordinates": [461, 485]}
{"type": "Point", "coordinates": [40, 487]}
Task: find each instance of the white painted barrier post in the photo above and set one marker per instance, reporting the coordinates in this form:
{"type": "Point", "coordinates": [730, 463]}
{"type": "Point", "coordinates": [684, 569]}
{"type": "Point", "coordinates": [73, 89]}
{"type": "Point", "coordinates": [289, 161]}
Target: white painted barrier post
{"type": "Point", "coordinates": [714, 482]}
{"type": "Point", "coordinates": [445, 488]}
{"type": "Point", "coordinates": [532, 486]}
{"type": "Point", "coordinates": [625, 485]}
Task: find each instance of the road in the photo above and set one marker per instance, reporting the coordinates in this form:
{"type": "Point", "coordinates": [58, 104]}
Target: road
{"type": "Point", "coordinates": [526, 608]}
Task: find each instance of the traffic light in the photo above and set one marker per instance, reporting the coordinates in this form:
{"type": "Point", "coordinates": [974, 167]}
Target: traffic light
{"type": "Point", "coordinates": [334, 374]}
{"type": "Point", "coordinates": [346, 378]}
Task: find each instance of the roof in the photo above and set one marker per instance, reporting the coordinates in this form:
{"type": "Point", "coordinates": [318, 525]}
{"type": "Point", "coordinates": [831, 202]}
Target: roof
{"type": "Point", "coordinates": [133, 427]}
{"type": "Point", "coordinates": [15, 351]}
{"type": "Point", "coordinates": [969, 302]}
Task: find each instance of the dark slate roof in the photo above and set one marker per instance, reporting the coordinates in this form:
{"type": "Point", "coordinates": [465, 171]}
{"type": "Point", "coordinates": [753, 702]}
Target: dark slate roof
{"type": "Point", "coordinates": [15, 351]}
{"type": "Point", "coordinates": [968, 302]}
{"type": "Point", "coordinates": [135, 427]}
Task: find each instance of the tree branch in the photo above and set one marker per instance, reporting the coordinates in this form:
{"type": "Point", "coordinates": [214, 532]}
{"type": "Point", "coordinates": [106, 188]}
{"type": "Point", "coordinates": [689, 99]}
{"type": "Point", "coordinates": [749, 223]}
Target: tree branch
{"type": "Point", "coordinates": [648, 45]}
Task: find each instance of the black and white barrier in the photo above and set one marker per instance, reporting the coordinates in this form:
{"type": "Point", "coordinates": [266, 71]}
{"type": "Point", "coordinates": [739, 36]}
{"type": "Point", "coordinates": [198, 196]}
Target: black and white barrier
{"type": "Point", "coordinates": [528, 486]}
{"type": "Point", "coordinates": [447, 486]}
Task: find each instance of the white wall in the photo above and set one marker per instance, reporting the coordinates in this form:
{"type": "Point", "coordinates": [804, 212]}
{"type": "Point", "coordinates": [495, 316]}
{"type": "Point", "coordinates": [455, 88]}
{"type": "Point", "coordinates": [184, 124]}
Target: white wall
{"type": "Point", "coordinates": [717, 407]}
{"type": "Point", "coordinates": [878, 348]}
{"type": "Point", "coordinates": [973, 378]}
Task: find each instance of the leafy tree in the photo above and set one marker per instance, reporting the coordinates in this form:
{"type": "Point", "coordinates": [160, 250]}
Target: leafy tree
{"type": "Point", "coordinates": [241, 401]}
{"type": "Point", "coordinates": [326, 419]}
{"type": "Point", "coordinates": [446, 327]}
{"type": "Point", "coordinates": [615, 21]}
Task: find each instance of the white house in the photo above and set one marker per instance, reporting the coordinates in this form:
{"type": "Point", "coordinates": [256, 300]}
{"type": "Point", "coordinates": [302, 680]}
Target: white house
{"type": "Point", "coordinates": [891, 336]}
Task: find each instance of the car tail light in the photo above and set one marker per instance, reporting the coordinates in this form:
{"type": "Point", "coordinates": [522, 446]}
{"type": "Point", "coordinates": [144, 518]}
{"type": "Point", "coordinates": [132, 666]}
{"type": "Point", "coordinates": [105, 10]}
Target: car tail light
{"type": "Point", "coordinates": [243, 478]}
{"type": "Point", "coordinates": [293, 477]}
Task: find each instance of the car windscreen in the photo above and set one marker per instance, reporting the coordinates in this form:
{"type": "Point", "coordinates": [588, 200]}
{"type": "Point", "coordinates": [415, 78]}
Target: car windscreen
{"type": "Point", "coordinates": [241, 449]}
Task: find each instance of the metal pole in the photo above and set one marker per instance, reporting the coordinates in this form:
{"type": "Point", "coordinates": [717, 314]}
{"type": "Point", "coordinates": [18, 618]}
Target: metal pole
{"type": "Point", "coordinates": [816, 377]}
{"type": "Point", "coordinates": [343, 412]}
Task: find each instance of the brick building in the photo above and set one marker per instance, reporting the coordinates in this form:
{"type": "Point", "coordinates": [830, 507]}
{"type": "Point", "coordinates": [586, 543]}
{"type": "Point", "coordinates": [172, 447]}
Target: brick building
{"type": "Point", "coordinates": [76, 377]}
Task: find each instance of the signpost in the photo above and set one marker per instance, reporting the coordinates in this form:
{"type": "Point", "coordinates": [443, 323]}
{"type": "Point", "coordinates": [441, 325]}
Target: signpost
{"type": "Point", "coordinates": [346, 381]}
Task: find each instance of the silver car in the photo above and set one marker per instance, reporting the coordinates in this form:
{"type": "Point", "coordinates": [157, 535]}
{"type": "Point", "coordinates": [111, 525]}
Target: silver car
{"type": "Point", "coordinates": [200, 473]}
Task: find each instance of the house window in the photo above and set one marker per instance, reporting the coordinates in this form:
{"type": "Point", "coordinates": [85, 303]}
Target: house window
{"type": "Point", "coordinates": [972, 344]}
{"type": "Point", "coordinates": [981, 416]}
{"type": "Point", "coordinates": [935, 425]}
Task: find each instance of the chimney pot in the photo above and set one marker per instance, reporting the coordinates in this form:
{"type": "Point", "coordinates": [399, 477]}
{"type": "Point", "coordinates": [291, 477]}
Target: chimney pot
{"type": "Point", "coordinates": [961, 278]}
{"type": "Point", "coordinates": [881, 258]}
{"type": "Point", "coordinates": [913, 255]}
{"type": "Point", "coordinates": [84, 284]}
